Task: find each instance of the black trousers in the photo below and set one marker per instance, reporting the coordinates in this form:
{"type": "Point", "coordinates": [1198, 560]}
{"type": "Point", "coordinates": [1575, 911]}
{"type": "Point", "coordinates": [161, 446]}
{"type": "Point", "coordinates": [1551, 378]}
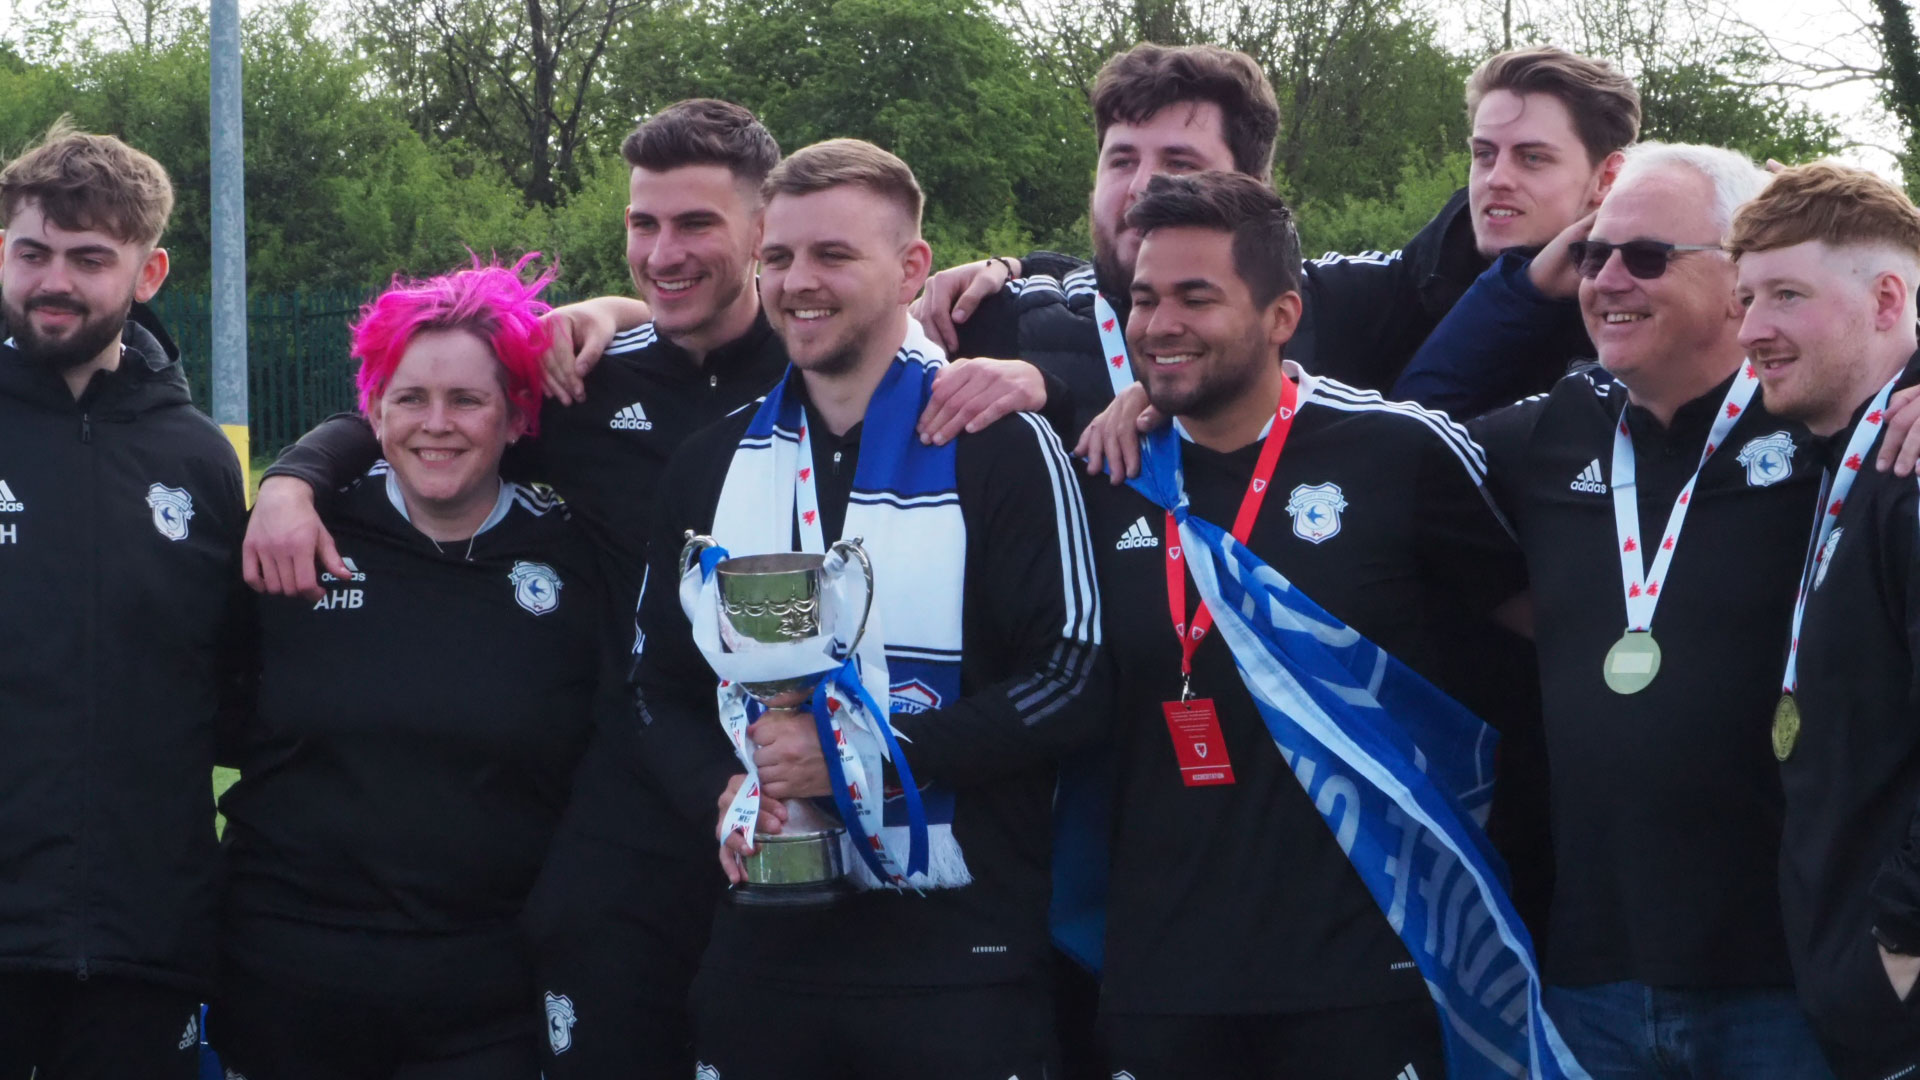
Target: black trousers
{"type": "Point", "coordinates": [616, 938]}
{"type": "Point", "coordinates": [100, 1028]}
{"type": "Point", "coordinates": [1399, 1041]}
{"type": "Point", "coordinates": [269, 1029]}
{"type": "Point", "coordinates": [752, 1031]}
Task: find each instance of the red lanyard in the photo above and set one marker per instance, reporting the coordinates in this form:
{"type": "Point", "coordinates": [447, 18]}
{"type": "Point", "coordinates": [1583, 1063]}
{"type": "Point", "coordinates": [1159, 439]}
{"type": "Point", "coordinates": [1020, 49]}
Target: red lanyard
{"type": "Point", "coordinates": [1242, 528]}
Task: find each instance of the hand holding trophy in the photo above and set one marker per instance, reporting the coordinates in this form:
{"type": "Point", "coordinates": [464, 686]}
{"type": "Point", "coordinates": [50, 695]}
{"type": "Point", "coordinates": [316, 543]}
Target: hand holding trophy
{"type": "Point", "coordinates": [776, 626]}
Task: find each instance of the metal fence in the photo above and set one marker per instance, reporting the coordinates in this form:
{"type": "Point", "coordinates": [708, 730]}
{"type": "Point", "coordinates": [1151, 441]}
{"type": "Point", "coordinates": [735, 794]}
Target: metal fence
{"type": "Point", "coordinates": [298, 370]}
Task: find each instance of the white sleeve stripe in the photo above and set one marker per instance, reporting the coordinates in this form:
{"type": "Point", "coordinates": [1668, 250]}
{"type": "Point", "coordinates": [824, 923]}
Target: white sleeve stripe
{"type": "Point", "coordinates": [1370, 258]}
{"type": "Point", "coordinates": [1339, 395]}
{"type": "Point", "coordinates": [639, 337]}
{"type": "Point", "coordinates": [1440, 422]}
{"type": "Point", "coordinates": [1078, 538]}
{"type": "Point", "coordinates": [1470, 455]}
{"type": "Point", "coordinates": [1070, 518]}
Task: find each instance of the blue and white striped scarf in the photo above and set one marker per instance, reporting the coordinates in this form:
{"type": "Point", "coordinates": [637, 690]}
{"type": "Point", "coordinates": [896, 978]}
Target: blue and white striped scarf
{"type": "Point", "coordinates": [1360, 727]}
{"type": "Point", "coordinates": [906, 512]}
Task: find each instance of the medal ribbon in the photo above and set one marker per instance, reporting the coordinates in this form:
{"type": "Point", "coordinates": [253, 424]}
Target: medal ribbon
{"type": "Point", "coordinates": [1113, 344]}
{"type": "Point", "coordinates": [1643, 584]}
{"type": "Point", "coordinates": [1256, 494]}
{"type": "Point", "coordinates": [1833, 496]}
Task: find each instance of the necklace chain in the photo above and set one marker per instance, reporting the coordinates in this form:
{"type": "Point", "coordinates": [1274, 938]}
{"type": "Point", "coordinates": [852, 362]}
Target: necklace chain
{"type": "Point", "coordinates": [443, 551]}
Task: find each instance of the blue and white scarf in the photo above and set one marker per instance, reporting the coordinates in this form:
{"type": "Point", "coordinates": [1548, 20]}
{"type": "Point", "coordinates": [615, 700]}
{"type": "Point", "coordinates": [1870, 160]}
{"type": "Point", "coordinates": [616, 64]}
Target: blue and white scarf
{"type": "Point", "coordinates": [906, 512]}
{"type": "Point", "coordinates": [1401, 772]}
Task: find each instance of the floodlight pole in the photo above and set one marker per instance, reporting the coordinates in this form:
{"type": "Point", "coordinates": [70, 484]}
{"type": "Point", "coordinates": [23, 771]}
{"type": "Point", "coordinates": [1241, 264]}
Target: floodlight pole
{"type": "Point", "coordinates": [228, 143]}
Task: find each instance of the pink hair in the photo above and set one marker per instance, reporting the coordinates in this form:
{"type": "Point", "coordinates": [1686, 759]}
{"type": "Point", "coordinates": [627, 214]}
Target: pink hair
{"type": "Point", "coordinates": [491, 302]}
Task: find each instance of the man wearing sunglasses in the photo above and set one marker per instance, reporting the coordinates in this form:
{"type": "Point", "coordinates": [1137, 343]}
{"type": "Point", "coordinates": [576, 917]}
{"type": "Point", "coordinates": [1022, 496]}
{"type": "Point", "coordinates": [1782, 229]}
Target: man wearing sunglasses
{"type": "Point", "coordinates": [1662, 513]}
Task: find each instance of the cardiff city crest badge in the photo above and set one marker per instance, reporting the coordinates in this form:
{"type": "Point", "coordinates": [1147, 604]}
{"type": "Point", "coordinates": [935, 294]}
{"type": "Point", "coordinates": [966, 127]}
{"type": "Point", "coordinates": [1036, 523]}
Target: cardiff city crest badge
{"type": "Point", "coordinates": [1769, 459]}
{"type": "Point", "coordinates": [172, 509]}
{"type": "Point", "coordinates": [1316, 511]}
{"type": "Point", "coordinates": [560, 1021]}
{"type": "Point", "coordinates": [535, 586]}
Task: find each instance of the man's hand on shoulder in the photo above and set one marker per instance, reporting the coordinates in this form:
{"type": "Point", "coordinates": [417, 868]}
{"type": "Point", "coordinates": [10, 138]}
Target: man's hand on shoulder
{"type": "Point", "coordinates": [954, 294]}
{"type": "Point", "coordinates": [1112, 439]}
{"type": "Point", "coordinates": [581, 333]}
{"type": "Point", "coordinates": [970, 394]}
{"type": "Point", "coordinates": [1900, 445]}
{"type": "Point", "coordinates": [286, 543]}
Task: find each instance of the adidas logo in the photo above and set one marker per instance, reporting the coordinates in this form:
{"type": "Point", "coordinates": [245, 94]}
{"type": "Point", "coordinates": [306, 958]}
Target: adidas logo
{"type": "Point", "coordinates": [357, 574]}
{"type": "Point", "coordinates": [631, 418]}
{"type": "Point", "coordinates": [1407, 1073]}
{"type": "Point", "coordinates": [1590, 480]}
{"type": "Point", "coordinates": [191, 1037]}
{"type": "Point", "coordinates": [9, 504]}
{"type": "Point", "coordinates": [1138, 535]}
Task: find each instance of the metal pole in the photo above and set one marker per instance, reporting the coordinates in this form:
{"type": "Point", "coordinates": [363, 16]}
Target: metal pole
{"type": "Point", "coordinates": [228, 144]}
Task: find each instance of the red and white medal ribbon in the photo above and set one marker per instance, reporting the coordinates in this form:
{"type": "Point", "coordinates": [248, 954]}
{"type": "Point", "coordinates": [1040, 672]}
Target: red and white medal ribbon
{"type": "Point", "coordinates": [1113, 345]}
{"type": "Point", "coordinates": [1833, 498]}
{"type": "Point", "coordinates": [1641, 583]}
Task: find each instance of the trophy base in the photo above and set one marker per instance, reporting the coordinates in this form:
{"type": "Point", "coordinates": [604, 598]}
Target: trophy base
{"type": "Point", "coordinates": [815, 894]}
{"type": "Point", "coordinates": [794, 870]}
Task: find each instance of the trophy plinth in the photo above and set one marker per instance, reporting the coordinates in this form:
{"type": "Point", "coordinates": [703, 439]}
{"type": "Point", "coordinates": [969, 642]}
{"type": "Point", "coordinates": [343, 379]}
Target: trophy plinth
{"type": "Point", "coordinates": [777, 600]}
{"type": "Point", "coordinates": [800, 867]}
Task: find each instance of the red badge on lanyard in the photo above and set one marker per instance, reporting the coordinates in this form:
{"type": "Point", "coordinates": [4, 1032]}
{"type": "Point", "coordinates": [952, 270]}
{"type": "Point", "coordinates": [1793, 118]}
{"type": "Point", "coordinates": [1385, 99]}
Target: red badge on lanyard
{"type": "Point", "coordinates": [1193, 723]}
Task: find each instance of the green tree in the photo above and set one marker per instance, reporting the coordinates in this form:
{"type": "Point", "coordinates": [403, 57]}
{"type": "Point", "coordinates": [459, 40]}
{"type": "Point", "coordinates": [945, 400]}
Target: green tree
{"type": "Point", "coordinates": [519, 80]}
{"type": "Point", "coordinates": [939, 82]}
{"type": "Point", "coordinates": [1900, 79]}
{"type": "Point", "coordinates": [1362, 84]}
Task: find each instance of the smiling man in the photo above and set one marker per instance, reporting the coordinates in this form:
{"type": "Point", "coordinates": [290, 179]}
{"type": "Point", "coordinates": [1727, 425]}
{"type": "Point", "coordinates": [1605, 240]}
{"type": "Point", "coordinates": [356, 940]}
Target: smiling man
{"type": "Point", "coordinates": [1547, 128]}
{"type": "Point", "coordinates": [622, 908]}
{"type": "Point", "coordinates": [1829, 258]}
{"type": "Point", "coordinates": [120, 515]}
{"type": "Point", "coordinates": [1658, 681]}
{"type": "Point", "coordinates": [1241, 944]}
{"type": "Point", "coordinates": [988, 619]}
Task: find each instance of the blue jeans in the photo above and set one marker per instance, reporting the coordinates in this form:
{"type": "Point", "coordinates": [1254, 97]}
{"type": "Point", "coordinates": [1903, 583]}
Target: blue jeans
{"type": "Point", "coordinates": [1630, 1029]}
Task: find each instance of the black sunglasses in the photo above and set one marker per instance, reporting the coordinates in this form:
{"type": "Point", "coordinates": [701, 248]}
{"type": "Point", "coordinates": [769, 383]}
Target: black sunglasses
{"type": "Point", "coordinates": [1644, 259]}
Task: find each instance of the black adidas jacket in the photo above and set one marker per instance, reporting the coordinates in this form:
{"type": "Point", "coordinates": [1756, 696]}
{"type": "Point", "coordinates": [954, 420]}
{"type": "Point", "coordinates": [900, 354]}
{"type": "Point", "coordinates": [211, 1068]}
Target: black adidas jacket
{"type": "Point", "coordinates": [1850, 848]}
{"type": "Point", "coordinates": [120, 523]}
{"type": "Point", "coordinates": [1048, 321]}
{"type": "Point", "coordinates": [411, 747]}
{"type": "Point", "coordinates": [605, 455]}
{"type": "Point", "coordinates": [1364, 316]}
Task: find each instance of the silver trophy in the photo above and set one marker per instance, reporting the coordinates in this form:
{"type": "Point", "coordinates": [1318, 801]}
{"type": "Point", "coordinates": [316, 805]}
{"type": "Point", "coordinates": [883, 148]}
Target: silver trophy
{"type": "Point", "coordinates": [774, 600]}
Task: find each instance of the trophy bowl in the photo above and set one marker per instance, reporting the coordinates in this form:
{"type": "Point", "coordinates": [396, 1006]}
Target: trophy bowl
{"type": "Point", "coordinates": [768, 601]}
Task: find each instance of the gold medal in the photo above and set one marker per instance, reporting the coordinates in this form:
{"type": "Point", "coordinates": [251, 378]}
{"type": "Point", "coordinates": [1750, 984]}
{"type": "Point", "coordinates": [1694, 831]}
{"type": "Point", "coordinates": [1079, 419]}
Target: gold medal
{"type": "Point", "coordinates": [1632, 662]}
{"type": "Point", "coordinates": [1786, 726]}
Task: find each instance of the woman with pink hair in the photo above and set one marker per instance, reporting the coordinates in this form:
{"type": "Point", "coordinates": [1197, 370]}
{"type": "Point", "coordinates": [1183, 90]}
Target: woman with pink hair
{"type": "Point", "coordinates": [412, 735]}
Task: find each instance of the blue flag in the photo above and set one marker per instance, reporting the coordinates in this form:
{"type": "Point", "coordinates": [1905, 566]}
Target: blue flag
{"type": "Point", "coordinates": [1402, 773]}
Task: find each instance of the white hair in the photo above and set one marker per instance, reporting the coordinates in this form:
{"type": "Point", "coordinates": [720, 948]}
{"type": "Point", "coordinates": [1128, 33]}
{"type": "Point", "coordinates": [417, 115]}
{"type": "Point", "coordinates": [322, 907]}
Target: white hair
{"type": "Point", "coordinates": [1733, 175]}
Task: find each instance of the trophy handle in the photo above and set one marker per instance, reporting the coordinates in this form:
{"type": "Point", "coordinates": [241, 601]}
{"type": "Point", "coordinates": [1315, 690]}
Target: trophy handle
{"type": "Point", "coordinates": [696, 546]}
{"type": "Point", "coordinates": [859, 554]}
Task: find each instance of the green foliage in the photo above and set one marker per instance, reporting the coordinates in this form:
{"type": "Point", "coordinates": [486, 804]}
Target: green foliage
{"type": "Point", "coordinates": [372, 150]}
{"type": "Point", "coordinates": [938, 82]}
{"type": "Point", "coordinates": [1697, 102]}
{"type": "Point", "coordinates": [1383, 223]}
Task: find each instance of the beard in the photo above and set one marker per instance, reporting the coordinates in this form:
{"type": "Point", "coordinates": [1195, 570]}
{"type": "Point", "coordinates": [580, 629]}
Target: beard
{"type": "Point", "coordinates": [1109, 276]}
{"type": "Point", "coordinates": [1230, 375]}
{"type": "Point", "coordinates": [80, 346]}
